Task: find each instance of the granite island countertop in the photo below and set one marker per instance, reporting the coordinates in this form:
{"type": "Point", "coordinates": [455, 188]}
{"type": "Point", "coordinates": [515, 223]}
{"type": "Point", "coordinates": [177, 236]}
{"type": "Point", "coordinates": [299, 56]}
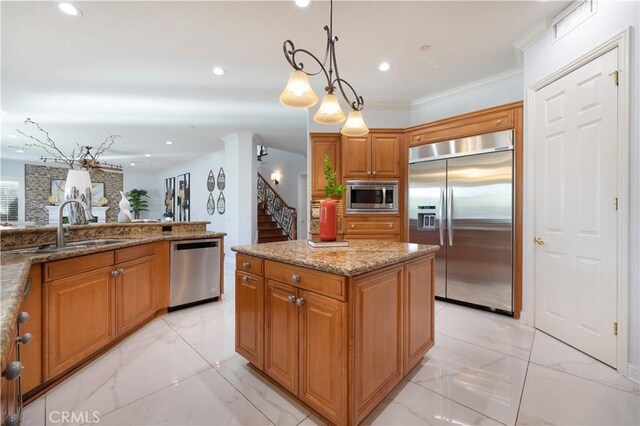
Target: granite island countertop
{"type": "Point", "coordinates": [361, 256]}
{"type": "Point", "coordinates": [14, 271]}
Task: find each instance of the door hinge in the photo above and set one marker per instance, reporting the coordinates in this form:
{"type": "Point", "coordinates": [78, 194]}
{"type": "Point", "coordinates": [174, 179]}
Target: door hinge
{"type": "Point", "coordinates": [615, 203]}
{"type": "Point", "coordinates": [616, 77]}
{"type": "Point", "coordinates": [615, 328]}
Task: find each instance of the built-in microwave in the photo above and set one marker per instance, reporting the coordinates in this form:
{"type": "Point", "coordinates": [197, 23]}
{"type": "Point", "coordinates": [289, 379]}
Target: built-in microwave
{"type": "Point", "coordinates": [367, 196]}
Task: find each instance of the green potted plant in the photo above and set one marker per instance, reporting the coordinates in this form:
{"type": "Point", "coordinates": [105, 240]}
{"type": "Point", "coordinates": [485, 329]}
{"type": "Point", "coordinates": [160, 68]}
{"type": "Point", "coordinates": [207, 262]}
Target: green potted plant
{"type": "Point", "coordinates": [138, 203]}
{"type": "Point", "coordinates": [328, 207]}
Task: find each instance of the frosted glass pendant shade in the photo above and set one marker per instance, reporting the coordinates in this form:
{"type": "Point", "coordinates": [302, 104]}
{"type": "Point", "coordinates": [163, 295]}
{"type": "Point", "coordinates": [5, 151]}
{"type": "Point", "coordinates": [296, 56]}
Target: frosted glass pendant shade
{"type": "Point", "coordinates": [329, 111]}
{"type": "Point", "coordinates": [355, 125]}
{"type": "Point", "coordinates": [298, 92]}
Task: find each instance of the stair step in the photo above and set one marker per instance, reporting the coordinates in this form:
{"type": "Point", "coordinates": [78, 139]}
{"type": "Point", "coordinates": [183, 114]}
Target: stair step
{"type": "Point", "coordinates": [267, 225]}
{"type": "Point", "coordinates": [263, 218]}
{"type": "Point", "coordinates": [272, 239]}
{"type": "Point", "coordinates": [270, 232]}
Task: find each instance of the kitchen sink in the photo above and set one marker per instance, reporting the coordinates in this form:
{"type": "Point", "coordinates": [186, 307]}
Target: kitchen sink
{"type": "Point", "coordinates": [69, 246]}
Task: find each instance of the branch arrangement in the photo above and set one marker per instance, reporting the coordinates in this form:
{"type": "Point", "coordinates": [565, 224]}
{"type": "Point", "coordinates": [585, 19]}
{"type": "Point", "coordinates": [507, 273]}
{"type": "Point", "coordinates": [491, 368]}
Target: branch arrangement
{"type": "Point", "coordinates": [82, 157]}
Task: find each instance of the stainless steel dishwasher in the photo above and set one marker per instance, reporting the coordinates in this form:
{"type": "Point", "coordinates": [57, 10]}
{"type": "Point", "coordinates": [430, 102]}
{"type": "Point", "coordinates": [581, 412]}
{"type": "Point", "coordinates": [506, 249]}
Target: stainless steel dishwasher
{"type": "Point", "coordinates": [195, 272]}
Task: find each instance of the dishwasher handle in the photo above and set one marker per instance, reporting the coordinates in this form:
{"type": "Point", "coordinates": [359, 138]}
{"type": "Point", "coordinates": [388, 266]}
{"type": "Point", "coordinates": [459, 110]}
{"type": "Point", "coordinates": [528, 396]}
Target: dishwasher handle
{"type": "Point", "coordinates": [195, 245]}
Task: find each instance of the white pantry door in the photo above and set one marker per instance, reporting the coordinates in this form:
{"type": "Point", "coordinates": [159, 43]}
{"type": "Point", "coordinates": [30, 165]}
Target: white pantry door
{"type": "Point", "coordinates": [575, 132]}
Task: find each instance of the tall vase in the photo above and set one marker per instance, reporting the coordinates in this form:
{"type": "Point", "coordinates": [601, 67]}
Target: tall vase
{"type": "Point", "coordinates": [78, 187]}
{"type": "Point", "coordinates": [328, 220]}
{"type": "Point", "coordinates": [125, 208]}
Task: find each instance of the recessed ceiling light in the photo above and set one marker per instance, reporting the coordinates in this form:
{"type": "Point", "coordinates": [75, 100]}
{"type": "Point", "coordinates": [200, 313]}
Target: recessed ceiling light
{"type": "Point", "coordinates": [12, 136]}
{"type": "Point", "coordinates": [169, 143]}
{"type": "Point", "coordinates": [147, 155]}
{"type": "Point", "coordinates": [219, 71]}
{"type": "Point", "coordinates": [69, 9]}
{"type": "Point", "coordinates": [384, 66]}
{"type": "Point", "coordinates": [425, 47]}
{"type": "Point", "coordinates": [19, 151]}
{"type": "Point", "coordinates": [303, 3]}
{"type": "Point", "coordinates": [132, 164]}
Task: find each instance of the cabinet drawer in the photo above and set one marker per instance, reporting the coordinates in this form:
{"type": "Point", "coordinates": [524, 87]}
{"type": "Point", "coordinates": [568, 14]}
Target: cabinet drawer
{"type": "Point", "coordinates": [249, 264]}
{"type": "Point", "coordinates": [76, 265]}
{"type": "Point", "coordinates": [330, 285]}
{"type": "Point", "coordinates": [130, 253]}
{"type": "Point", "coordinates": [484, 123]}
{"type": "Point", "coordinates": [372, 225]}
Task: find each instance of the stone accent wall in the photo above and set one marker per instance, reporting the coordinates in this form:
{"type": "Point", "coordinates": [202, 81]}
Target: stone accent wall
{"type": "Point", "coordinates": [37, 181]}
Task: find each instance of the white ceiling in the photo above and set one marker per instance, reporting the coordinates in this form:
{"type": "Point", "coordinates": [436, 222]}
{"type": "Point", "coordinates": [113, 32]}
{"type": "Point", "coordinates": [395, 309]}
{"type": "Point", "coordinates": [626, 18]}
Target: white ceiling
{"type": "Point", "coordinates": [143, 69]}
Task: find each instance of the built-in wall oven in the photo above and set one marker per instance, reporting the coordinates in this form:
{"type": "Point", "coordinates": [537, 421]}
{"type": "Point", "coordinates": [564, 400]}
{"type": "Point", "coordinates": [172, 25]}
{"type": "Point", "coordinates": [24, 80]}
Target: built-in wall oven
{"type": "Point", "coordinates": [367, 196]}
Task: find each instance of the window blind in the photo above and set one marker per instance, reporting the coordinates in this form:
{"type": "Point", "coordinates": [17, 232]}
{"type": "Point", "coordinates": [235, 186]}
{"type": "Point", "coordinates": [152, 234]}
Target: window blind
{"type": "Point", "coordinates": [8, 201]}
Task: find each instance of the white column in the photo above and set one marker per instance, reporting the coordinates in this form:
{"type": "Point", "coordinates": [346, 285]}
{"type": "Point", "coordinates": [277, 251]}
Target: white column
{"type": "Point", "coordinates": [240, 190]}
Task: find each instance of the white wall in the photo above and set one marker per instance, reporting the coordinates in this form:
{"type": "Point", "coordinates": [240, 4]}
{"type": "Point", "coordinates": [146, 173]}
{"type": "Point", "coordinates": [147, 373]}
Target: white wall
{"type": "Point", "coordinates": [497, 90]}
{"type": "Point", "coordinates": [136, 179]}
{"type": "Point", "coordinates": [545, 57]}
{"type": "Point", "coordinates": [199, 171]}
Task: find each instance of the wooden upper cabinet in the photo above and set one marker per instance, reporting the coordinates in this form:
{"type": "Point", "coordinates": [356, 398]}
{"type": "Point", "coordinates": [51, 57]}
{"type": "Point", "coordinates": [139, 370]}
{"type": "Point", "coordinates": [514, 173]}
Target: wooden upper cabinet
{"type": "Point", "coordinates": [80, 318]}
{"type": "Point", "coordinates": [385, 155]}
{"type": "Point", "coordinates": [376, 155]}
{"type": "Point", "coordinates": [135, 293]}
{"type": "Point", "coordinates": [321, 145]}
{"type": "Point", "coordinates": [356, 157]}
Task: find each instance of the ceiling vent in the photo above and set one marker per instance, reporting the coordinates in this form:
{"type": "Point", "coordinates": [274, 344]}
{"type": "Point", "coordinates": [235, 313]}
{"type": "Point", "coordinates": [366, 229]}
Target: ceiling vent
{"type": "Point", "coordinates": [571, 17]}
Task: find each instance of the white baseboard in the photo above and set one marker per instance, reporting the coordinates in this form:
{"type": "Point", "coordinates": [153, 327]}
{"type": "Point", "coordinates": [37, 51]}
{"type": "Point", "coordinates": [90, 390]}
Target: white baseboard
{"type": "Point", "coordinates": [633, 372]}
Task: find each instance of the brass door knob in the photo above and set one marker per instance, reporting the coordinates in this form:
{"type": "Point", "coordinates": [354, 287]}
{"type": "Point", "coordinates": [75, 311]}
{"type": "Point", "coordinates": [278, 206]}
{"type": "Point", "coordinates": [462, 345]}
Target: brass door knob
{"type": "Point", "coordinates": [538, 241]}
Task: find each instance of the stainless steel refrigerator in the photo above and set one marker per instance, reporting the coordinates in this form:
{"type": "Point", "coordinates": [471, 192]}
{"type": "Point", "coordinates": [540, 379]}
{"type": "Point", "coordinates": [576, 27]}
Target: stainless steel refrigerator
{"type": "Point", "coordinates": [461, 198]}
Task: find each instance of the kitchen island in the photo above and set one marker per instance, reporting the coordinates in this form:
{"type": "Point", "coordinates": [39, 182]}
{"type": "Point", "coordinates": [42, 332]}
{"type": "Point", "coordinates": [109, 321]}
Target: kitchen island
{"type": "Point", "coordinates": [338, 328]}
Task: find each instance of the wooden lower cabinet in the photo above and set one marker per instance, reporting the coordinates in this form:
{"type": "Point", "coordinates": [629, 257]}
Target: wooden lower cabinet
{"type": "Point", "coordinates": [249, 317]}
{"type": "Point", "coordinates": [135, 293]}
{"type": "Point", "coordinates": [80, 318]}
{"type": "Point", "coordinates": [281, 334]}
{"type": "Point", "coordinates": [377, 338]}
{"type": "Point", "coordinates": [323, 355]}
{"type": "Point", "coordinates": [341, 352]}
{"type": "Point", "coordinates": [419, 302]}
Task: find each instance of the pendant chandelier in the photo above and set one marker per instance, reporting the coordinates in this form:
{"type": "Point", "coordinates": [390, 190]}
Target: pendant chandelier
{"type": "Point", "coordinates": [299, 94]}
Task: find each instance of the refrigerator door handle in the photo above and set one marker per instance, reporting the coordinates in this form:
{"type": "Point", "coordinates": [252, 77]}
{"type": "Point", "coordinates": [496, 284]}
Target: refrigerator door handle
{"type": "Point", "coordinates": [441, 223]}
{"type": "Point", "coordinates": [449, 216]}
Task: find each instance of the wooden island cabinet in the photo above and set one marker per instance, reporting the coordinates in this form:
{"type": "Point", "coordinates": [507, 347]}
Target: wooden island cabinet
{"type": "Point", "coordinates": [336, 328]}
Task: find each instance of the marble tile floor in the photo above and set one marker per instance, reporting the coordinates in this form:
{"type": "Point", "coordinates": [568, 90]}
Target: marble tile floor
{"type": "Point", "coordinates": [181, 369]}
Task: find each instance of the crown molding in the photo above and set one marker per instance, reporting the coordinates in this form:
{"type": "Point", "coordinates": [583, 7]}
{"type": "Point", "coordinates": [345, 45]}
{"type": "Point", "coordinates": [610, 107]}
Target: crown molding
{"type": "Point", "coordinates": [493, 80]}
{"type": "Point", "coordinates": [534, 34]}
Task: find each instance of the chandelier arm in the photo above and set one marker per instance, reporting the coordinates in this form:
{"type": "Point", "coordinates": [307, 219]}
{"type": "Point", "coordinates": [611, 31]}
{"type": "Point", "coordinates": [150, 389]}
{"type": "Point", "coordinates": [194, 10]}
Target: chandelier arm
{"type": "Point", "coordinates": [290, 53]}
{"type": "Point", "coordinates": [358, 103]}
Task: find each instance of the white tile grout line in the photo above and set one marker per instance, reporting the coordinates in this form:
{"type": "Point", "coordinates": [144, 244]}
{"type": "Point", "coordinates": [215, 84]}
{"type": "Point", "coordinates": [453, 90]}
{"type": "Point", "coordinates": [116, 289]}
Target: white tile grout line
{"type": "Point", "coordinates": [526, 373]}
{"type": "Point", "coordinates": [216, 370]}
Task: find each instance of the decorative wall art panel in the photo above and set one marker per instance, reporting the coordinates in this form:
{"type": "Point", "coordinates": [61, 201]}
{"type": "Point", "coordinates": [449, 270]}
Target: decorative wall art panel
{"type": "Point", "coordinates": [184, 197]}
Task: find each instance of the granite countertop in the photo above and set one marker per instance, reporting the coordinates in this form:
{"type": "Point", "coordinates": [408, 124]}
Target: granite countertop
{"type": "Point", "coordinates": [361, 256]}
{"type": "Point", "coordinates": [14, 271]}
{"type": "Point", "coordinates": [95, 226]}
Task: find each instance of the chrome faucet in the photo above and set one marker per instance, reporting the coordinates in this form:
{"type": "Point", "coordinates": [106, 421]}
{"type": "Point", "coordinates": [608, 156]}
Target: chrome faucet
{"type": "Point", "coordinates": [60, 243]}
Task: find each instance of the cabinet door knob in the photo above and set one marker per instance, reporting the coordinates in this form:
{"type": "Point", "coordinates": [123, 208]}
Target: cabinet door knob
{"type": "Point", "coordinates": [245, 278]}
{"type": "Point", "coordinates": [25, 339]}
{"type": "Point", "coordinates": [246, 264]}
{"type": "Point", "coordinates": [374, 172]}
{"type": "Point", "coordinates": [120, 271]}
{"type": "Point", "coordinates": [291, 298]}
{"type": "Point", "coordinates": [295, 278]}
{"type": "Point", "coordinates": [417, 138]}
{"type": "Point", "coordinates": [498, 122]}
{"type": "Point", "coordinates": [13, 370]}
{"type": "Point", "coordinates": [391, 225]}
{"type": "Point", "coordinates": [300, 301]}
{"type": "Point", "coordinates": [23, 317]}
{"type": "Point", "coordinates": [115, 273]}
{"type": "Point", "coordinates": [369, 172]}
{"type": "Point", "coordinates": [353, 225]}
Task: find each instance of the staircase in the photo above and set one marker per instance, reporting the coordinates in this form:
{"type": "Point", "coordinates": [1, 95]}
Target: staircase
{"type": "Point", "coordinates": [268, 229]}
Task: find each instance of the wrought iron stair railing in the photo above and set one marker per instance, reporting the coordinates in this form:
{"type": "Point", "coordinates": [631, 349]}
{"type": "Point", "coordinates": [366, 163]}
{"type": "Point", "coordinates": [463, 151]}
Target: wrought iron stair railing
{"type": "Point", "coordinates": [284, 215]}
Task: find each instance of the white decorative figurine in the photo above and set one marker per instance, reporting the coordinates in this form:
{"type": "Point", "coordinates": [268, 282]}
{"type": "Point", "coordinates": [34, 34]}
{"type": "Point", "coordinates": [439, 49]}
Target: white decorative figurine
{"type": "Point", "coordinates": [125, 209]}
